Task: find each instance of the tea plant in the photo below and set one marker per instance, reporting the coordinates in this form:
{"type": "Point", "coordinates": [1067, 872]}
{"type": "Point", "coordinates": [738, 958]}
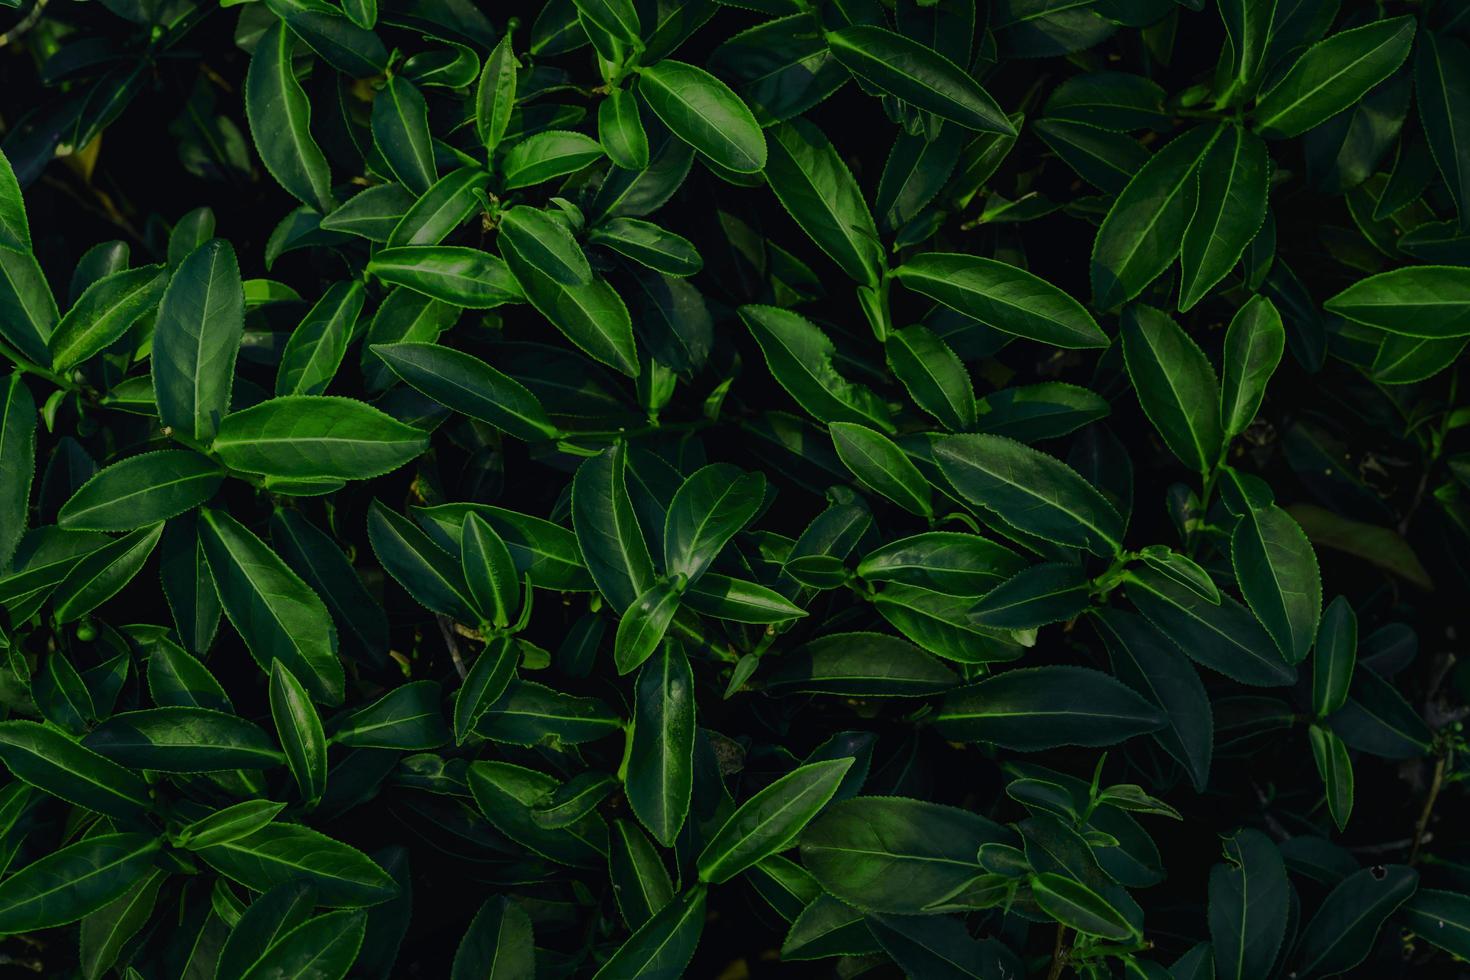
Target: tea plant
{"type": "Point", "coordinates": [636, 488]}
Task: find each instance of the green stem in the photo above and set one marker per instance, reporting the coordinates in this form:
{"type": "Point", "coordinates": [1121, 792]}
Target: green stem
{"type": "Point", "coordinates": [25, 364]}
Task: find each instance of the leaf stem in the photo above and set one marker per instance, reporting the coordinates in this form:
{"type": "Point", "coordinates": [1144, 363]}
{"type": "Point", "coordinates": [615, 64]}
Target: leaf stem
{"type": "Point", "coordinates": [1435, 785]}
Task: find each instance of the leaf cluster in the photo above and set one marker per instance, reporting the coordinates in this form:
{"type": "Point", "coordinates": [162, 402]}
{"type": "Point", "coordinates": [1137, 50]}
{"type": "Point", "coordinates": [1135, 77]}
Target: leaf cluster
{"type": "Point", "coordinates": [644, 488]}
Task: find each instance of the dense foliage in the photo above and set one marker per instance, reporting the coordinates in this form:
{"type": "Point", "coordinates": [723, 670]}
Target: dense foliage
{"type": "Point", "coordinates": [628, 488]}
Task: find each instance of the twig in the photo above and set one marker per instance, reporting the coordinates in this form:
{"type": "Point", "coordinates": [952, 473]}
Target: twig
{"type": "Point", "coordinates": [1423, 824]}
{"type": "Point", "coordinates": [1058, 954]}
{"type": "Point", "coordinates": [26, 23]}
{"type": "Point", "coordinates": [446, 627]}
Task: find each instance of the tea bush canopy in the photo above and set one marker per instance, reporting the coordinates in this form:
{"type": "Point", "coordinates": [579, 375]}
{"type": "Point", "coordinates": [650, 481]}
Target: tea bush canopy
{"type": "Point", "coordinates": [631, 489]}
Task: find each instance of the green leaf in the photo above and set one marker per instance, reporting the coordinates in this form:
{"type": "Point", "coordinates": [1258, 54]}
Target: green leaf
{"type": "Point", "coordinates": [574, 799]}
{"type": "Point", "coordinates": [860, 848]}
{"type": "Point", "coordinates": [800, 357]}
{"type": "Point", "coordinates": [1047, 593]}
{"type": "Point", "coordinates": [17, 461]}
{"type": "Point", "coordinates": [660, 774]}
{"type": "Point", "coordinates": [27, 304]}
{"type": "Point", "coordinates": [860, 665]}
{"type": "Point", "coordinates": [546, 156]}
{"type": "Point", "coordinates": [739, 601]}
{"type": "Point", "coordinates": [495, 95]}
{"type": "Point", "coordinates": [1416, 301]}
{"type": "Point", "coordinates": [61, 696]}
{"type": "Point", "coordinates": [489, 572]}
{"type": "Point", "coordinates": [408, 718]}
{"type": "Point", "coordinates": [1336, 769]}
{"type": "Point", "coordinates": [1144, 229]}
{"type": "Point", "coordinates": [342, 876]}
{"type": "Point", "coordinates": [142, 490]}
{"type": "Point", "coordinates": [486, 681]}
{"type": "Point", "coordinates": [1073, 904]}
{"type": "Point", "coordinates": [104, 312]}
{"type": "Point", "coordinates": [400, 124]}
{"type": "Point", "coordinates": [648, 244]}
{"type": "Point", "coordinates": [315, 349]}
{"type": "Point", "coordinates": [269, 917]}
{"type": "Point", "coordinates": [1030, 490]}
{"type": "Point", "coordinates": [1442, 84]}
{"type": "Point", "coordinates": [1175, 384]}
{"type": "Point", "coordinates": [429, 573]}
{"type": "Point", "coordinates": [276, 614]}
{"type": "Point", "coordinates": [529, 714]}
{"type": "Point", "coordinates": [280, 122]}
{"type": "Point", "coordinates": [1277, 572]}
{"type": "Point", "coordinates": [373, 213]}
{"type": "Point", "coordinates": [607, 529]}
{"type": "Point", "coordinates": [443, 209]}
{"type": "Point", "coordinates": [662, 947]}
{"type": "Point", "coordinates": [919, 75]}
{"type": "Point", "coordinates": [1377, 719]}
{"type": "Point", "coordinates": [316, 437]}
{"type": "Point", "coordinates": [770, 821]}
{"type": "Point", "coordinates": [231, 823]}
{"type": "Point", "coordinates": [709, 509]}
{"type": "Point", "coordinates": [1222, 636]}
{"type": "Point", "coordinates": [75, 881]}
{"type": "Point", "coordinates": [1111, 100]}
{"type": "Point", "coordinates": [545, 243]}
{"type": "Point", "coordinates": [882, 467]}
{"type": "Point", "coordinates": [703, 112]}
{"type": "Point", "coordinates": [48, 760]}
{"type": "Point", "coordinates": [1253, 347]}
{"type": "Point", "coordinates": [641, 884]}
{"type": "Point", "coordinates": [176, 679]}
{"type": "Point", "coordinates": [104, 934]}
{"type": "Point", "coordinates": [1381, 546]}
{"type": "Point", "coordinates": [505, 794]}
{"type": "Point", "coordinates": [592, 316]}
{"type": "Point", "coordinates": [1039, 708]}
{"type": "Point", "coordinates": [362, 625]}
{"type": "Point", "coordinates": [1342, 933]}
{"type": "Point", "coordinates": [1248, 906]}
{"type": "Point", "coordinates": [1441, 918]}
{"type": "Point", "coordinates": [813, 183]}
{"type": "Point", "coordinates": [1032, 413]}
{"type": "Point", "coordinates": [934, 946]}
{"type": "Point", "coordinates": [1004, 297]}
{"type": "Point", "coordinates": [15, 231]}
{"type": "Point", "coordinates": [619, 18]}
{"type": "Point", "coordinates": [497, 946]}
{"type": "Point", "coordinates": [1145, 660]}
{"type": "Point", "coordinates": [341, 42]}
{"type": "Point", "coordinates": [644, 624]}
{"type": "Point", "coordinates": [184, 740]}
{"type": "Point", "coordinates": [322, 947]}
{"type": "Point", "coordinates": [1335, 657]}
{"type": "Point", "coordinates": [1248, 31]}
{"type": "Point", "coordinates": [544, 552]}
{"type": "Point", "coordinates": [463, 383]}
{"type": "Point", "coordinates": [942, 561]}
{"type": "Point", "coordinates": [933, 375]}
{"type": "Point", "coordinates": [1332, 75]}
{"type": "Point", "coordinates": [300, 730]}
{"type": "Point", "coordinates": [1234, 177]}
{"type": "Point", "coordinates": [103, 573]}
{"type": "Point", "coordinates": [195, 339]}
{"type": "Point", "coordinates": [453, 274]}
{"type": "Point", "coordinates": [621, 132]}
{"type": "Point", "coordinates": [827, 927]}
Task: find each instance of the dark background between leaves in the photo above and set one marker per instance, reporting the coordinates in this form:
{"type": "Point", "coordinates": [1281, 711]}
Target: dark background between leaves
{"type": "Point", "coordinates": [139, 187]}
